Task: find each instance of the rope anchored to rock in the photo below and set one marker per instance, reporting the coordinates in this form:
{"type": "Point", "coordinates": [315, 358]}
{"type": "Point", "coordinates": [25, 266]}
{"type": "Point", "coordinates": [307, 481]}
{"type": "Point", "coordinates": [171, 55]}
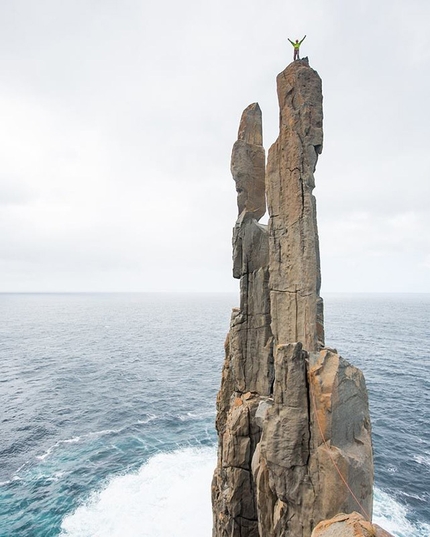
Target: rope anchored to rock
{"type": "Point", "coordinates": [363, 510]}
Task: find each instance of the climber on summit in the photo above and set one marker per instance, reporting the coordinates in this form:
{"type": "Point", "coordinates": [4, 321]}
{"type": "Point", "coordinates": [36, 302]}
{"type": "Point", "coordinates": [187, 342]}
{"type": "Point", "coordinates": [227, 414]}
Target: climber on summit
{"type": "Point", "coordinates": [296, 46]}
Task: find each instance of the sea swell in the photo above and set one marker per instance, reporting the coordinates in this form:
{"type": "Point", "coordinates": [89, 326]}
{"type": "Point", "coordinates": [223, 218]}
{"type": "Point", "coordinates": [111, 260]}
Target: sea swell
{"type": "Point", "coordinates": [171, 492]}
{"type": "Point", "coordinates": [88, 400]}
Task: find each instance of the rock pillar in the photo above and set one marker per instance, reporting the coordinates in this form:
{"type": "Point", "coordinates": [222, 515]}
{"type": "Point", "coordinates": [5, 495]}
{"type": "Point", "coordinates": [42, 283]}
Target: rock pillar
{"type": "Point", "coordinates": [295, 275]}
{"type": "Point", "coordinates": [248, 366]}
{"type": "Point", "coordinates": [292, 416]}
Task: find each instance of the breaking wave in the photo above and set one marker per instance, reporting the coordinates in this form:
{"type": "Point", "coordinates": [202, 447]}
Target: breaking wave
{"type": "Point", "coordinates": [170, 494]}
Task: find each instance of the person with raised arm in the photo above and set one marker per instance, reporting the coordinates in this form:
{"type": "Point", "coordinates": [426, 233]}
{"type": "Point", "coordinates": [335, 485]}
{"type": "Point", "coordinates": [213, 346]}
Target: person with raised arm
{"type": "Point", "coordinates": [296, 46]}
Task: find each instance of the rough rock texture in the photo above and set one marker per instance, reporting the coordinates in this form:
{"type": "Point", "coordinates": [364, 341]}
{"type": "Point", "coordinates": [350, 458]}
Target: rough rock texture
{"type": "Point", "coordinates": [292, 416]}
{"type": "Point", "coordinates": [247, 164]}
{"type": "Point", "coordinates": [248, 367]}
{"type": "Point", "coordinates": [352, 525]}
{"type": "Point", "coordinates": [295, 276]}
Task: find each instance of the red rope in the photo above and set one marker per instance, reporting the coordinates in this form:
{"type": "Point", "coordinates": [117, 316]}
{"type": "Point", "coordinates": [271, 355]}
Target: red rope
{"type": "Point", "coordinates": [331, 457]}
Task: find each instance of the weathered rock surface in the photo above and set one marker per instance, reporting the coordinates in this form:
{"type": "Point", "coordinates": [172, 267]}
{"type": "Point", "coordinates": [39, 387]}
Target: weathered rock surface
{"type": "Point", "coordinates": [248, 366]}
{"type": "Point", "coordinates": [292, 416]}
{"type": "Point", "coordinates": [248, 162]}
{"type": "Point", "coordinates": [295, 276]}
{"type": "Point", "coordinates": [352, 525]}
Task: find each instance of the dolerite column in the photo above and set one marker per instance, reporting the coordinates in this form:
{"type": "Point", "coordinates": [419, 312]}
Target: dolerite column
{"type": "Point", "coordinates": [294, 436]}
{"type": "Point", "coordinates": [295, 276]}
{"type": "Point", "coordinates": [284, 488]}
{"type": "Point", "coordinates": [248, 367]}
{"type": "Point", "coordinates": [316, 424]}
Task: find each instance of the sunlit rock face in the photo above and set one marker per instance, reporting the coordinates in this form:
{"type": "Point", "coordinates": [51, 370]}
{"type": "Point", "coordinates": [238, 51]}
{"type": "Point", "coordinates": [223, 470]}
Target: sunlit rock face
{"type": "Point", "coordinates": [292, 416]}
{"type": "Point", "coordinates": [352, 525]}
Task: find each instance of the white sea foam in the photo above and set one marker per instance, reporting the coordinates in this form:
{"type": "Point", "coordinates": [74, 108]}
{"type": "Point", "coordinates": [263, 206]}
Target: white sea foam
{"type": "Point", "coordinates": [57, 444]}
{"type": "Point", "coordinates": [71, 440]}
{"type": "Point", "coordinates": [46, 454]}
{"type": "Point", "coordinates": [150, 418]}
{"type": "Point", "coordinates": [392, 516]}
{"type": "Point", "coordinates": [8, 481]}
{"type": "Point", "coordinates": [422, 459]}
{"type": "Point", "coordinates": [170, 495]}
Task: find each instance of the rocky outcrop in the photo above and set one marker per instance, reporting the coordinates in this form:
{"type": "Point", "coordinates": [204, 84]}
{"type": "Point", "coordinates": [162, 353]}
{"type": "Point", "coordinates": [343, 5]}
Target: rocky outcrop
{"type": "Point", "coordinates": [292, 416]}
{"type": "Point", "coordinates": [352, 525]}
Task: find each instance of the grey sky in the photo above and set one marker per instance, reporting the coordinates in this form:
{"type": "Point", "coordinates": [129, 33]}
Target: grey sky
{"type": "Point", "coordinates": [117, 121]}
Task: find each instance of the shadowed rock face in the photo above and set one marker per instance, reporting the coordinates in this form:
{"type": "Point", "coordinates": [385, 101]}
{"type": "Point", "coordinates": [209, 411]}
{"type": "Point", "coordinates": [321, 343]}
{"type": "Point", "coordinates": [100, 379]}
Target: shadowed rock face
{"type": "Point", "coordinates": [291, 414]}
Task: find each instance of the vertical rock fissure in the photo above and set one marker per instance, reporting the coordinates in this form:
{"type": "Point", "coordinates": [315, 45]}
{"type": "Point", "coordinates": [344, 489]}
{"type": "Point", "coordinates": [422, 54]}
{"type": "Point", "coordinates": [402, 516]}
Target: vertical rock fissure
{"type": "Point", "coordinates": [308, 396]}
{"type": "Point", "coordinates": [281, 390]}
{"type": "Point", "coordinates": [296, 315]}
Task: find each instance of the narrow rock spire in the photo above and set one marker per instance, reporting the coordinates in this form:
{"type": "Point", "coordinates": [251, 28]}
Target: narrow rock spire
{"type": "Point", "coordinates": [248, 162]}
{"type": "Point", "coordinates": [292, 416]}
{"type": "Point", "coordinates": [251, 125]}
{"type": "Point", "coordinates": [295, 275]}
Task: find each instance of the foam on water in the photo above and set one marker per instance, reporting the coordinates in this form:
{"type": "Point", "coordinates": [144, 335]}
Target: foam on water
{"type": "Point", "coordinates": [170, 495]}
{"type": "Point", "coordinates": [392, 516]}
{"type": "Point", "coordinates": [420, 459]}
{"type": "Point", "coordinates": [57, 444]}
{"type": "Point", "coordinates": [83, 404]}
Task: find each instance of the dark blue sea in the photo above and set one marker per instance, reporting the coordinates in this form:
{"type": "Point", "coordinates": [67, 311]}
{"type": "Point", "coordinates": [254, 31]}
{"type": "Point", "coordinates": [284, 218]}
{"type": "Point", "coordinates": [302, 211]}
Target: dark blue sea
{"type": "Point", "coordinates": [107, 407]}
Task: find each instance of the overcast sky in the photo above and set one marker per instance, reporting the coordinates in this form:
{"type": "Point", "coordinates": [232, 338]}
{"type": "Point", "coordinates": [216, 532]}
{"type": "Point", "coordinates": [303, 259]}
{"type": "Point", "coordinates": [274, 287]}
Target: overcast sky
{"type": "Point", "coordinates": [117, 120]}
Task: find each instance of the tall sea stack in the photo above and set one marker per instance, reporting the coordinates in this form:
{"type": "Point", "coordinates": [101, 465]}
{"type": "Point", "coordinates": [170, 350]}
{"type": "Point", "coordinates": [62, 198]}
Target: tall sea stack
{"type": "Point", "coordinates": [292, 416]}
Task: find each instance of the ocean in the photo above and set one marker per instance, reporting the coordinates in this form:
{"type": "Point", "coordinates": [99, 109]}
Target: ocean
{"type": "Point", "coordinates": [107, 406]}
